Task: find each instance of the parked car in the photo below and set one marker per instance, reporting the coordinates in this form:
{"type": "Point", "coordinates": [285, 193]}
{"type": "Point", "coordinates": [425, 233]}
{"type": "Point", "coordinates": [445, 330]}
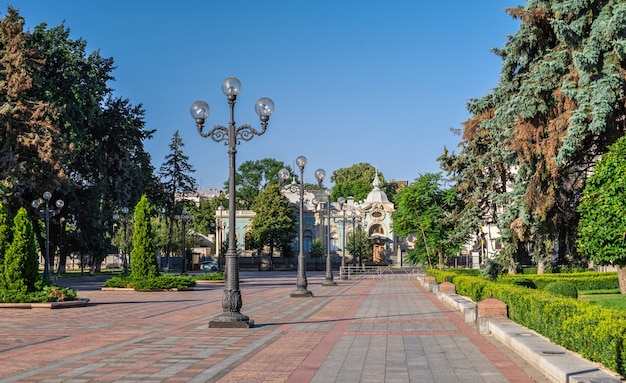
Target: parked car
{"type": "Point", "coordinates": [209, 266]}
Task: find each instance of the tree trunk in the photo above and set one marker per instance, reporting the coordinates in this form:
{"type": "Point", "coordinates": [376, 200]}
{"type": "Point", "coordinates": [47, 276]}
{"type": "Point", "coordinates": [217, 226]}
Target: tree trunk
{"type": "Point", "coordinates": [621, 277]}
{"type": "Point", "coordinates": [541, 268]}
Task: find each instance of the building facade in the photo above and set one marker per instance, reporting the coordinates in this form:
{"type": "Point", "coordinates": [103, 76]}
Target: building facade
{"type": "Point", "coordinates": [334, 224]}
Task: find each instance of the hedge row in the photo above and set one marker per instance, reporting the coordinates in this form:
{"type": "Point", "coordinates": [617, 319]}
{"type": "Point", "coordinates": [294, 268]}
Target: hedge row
{"type": "Point", "coordinates": [583, 281]}
{"type": "Point", "coordinates": [598, 334]}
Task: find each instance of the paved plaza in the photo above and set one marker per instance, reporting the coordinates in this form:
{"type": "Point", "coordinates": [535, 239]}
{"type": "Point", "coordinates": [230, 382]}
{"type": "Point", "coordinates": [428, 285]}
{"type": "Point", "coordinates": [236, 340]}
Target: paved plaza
{"type": "Point", "coordinates": [375, 329]}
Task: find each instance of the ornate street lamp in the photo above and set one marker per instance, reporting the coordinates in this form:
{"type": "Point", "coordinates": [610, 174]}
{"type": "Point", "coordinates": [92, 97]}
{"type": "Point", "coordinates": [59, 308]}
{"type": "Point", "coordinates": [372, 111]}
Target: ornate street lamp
{"type": "Point", "coordinates": [301, 282]}
{"type": "Point", "coordinates": [47, 212]}
{"type": "Point", "coordinates": [184, 217]}
{"type": "Point", "coordinates": [320, 174]}
{"type": "Point", "coordinates": [232, 135]}
{"type": "Point", "coordinates": [124, 220]}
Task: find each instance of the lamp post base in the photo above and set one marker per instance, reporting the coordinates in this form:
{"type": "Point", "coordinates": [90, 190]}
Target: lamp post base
{"type": "Point", "coordinates": [329, 282]}
{"type": "Point", "coordinates": [231, 320]}
{"type": "Point", "coordinates": [302, 293]}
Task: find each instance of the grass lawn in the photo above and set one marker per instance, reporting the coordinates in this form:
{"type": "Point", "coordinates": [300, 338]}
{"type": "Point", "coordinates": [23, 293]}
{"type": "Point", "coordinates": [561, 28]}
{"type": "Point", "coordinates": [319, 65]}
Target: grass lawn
{"type": "Point", "coordinates": [610, 299]}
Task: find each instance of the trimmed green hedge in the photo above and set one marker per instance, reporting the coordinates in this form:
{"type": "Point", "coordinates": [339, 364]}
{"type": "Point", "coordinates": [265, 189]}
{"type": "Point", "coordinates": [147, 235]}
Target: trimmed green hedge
{"type": "Point", "coordinates": [583, 281]}
{"type": "Point", "coordinates": [163, 282]}
{"type": "Point", "coordinates": [596, 333]}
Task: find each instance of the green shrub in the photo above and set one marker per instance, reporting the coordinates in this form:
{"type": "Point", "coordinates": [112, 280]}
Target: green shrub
{"type": "Point", "coordinates": [563, 288]}
{"type": "Point", "coordinates": [46, 294]}
{"type": "Point", "coordinates": [163, 282]}
{"type": "Point", "coordinates": [219, 276]}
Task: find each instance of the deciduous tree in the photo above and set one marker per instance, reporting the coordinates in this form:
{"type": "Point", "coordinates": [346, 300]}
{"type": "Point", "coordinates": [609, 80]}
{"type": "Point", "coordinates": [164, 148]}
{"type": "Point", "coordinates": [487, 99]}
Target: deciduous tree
{"type": "Point", "coordinates": [602, 227]}
{"type": "Point", "coordinates": [274, 224]}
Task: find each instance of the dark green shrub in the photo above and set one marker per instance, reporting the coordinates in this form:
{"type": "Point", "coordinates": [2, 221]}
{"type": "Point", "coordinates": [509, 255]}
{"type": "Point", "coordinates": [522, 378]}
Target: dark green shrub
{"type": "Point", "coordinates": [524, 282]}
{"type": "Point", "coordinates": [562, 288]}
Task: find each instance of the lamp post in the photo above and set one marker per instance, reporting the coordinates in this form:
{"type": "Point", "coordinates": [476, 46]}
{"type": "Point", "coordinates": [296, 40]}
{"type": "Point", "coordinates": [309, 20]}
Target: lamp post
{"type": "Point", "coordinates": [357, 250]}
{"type": "Point", "coordinates": [341, 201]}
{"type": "Point", "coordinates": [301, 282]}
{"type": "Point", "coordinates": [231, 315]}
{"type": "Point", "coordinates": [124, 220]}
{"type": "Point", "coordinates": [46, 212]}
{"type": "Point", "coordinates": [320, 174]}
{"type": "Point", "coordinates": [184, 217]}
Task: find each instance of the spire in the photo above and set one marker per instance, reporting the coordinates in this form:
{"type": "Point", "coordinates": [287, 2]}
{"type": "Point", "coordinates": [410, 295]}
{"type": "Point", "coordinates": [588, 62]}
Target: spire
{"type": "Point", "coordinates": [376, 195]}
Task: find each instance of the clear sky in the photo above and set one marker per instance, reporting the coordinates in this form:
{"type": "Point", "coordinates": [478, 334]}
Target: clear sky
{"type": "Point", "coordinates": [380, 82]}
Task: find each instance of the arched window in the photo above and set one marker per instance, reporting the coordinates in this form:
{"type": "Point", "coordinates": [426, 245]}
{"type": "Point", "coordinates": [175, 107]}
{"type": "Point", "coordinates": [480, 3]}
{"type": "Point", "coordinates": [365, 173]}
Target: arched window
{"type": "Point", "coordinates": [307, 239]}
{"type": "Point", "coordinates": [334, 241]}
{"type": "Point", "coordinates": [377, 229]}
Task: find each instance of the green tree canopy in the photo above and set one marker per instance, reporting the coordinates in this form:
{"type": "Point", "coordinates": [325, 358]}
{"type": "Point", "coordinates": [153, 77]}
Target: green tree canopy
{"type": "Point", "coordinates": [423, 208]}
{"type": "Point", "coordinates": [274, 224]}
{"type": "Point", "coordinates": [602, 227]}
{"type": "Point", "coordinates": [60, 116]}
{"type": "Point", "coordinates": [254, 176]}
{"type": "Point", "coordinates": [531, 141]}
{"type": "Point", "coordinates": [356, 181]}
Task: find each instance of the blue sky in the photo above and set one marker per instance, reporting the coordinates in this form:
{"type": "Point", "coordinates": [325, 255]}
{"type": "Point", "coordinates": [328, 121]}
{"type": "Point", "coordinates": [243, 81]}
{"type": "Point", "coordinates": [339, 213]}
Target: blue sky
{"type": "Point", "coordinates": [380, 82]}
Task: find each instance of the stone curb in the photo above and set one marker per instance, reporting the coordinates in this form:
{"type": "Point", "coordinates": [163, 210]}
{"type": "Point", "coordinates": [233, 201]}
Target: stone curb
{"type": "Point", "coordinates": [47, 305]}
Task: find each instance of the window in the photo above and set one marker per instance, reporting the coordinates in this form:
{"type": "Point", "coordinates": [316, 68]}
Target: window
{"type": "Point", "coordinates": [307, 240]}
{"type": "Point", "coordinates": [334, 241]}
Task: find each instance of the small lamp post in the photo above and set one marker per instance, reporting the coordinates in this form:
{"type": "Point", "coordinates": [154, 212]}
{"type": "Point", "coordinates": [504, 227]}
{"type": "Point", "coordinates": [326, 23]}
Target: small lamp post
{"type": "Point", "coordinates": [231, 315]}
{"type": "Point", "coordinates": [124, 220]}
{"type": "Point", "coordinates": [47, 213]}
{"type": "Point", "coordinates": [301, 282]}
{"type": "Point", "coordinates": [320, 174]}
{"type": "Point", "coordinates": [341, 201]}
{"type": "Point", "coordinates": [184, 217]}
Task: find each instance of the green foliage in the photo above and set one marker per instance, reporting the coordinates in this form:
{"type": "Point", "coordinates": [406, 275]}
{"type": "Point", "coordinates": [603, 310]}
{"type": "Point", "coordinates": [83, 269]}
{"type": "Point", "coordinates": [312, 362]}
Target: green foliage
{"type": "Point", "coordinates": [5, 237]}
{"type": "Point", "coordinates": [61, 100]}
{"type": "Point", "coordinates": [602, 219]}
{"type": "Point", "coordinates": [596, 333]}
{"type": "Point", "coordinates": [582, 281]}
{"type": "Point", "coordinates": [143, 259]}
{"type": "Point", "coordinates": [253, 177]}
{"type": "Point", "coordinates": [423, 208]}
{"type": "Point", "coordinates": [492, 269]}
{"type": "Point", "coordinates": [21, 266]}
{"type": "Point", "coordinates": [162, 282]}
{"type": "Point", "coordinates": [274, 224]}
{"type": "Point", "coordinates": [529, 143]}
{"type": "Point", "coordinates": [526, 282]}
{"type": "Point", "coordinates": [355, 181]}
{"type": "Point", "coordinates": [562, 288]}
{"type": "Point", "coordinates": [43, 295]}
{"type": "Point", "coordinates": [219, 276]}
{"type": "Point", "coordinates": [613, 300]}
{"type": "Point", "coordinates": [359, 246]}
{"type": "Point", "coordinates": [318, 250]}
